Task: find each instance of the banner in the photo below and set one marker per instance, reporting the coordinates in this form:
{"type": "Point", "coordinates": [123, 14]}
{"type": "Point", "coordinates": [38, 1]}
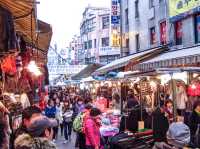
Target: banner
{"type": "Point", "coordinates": [179, 9]}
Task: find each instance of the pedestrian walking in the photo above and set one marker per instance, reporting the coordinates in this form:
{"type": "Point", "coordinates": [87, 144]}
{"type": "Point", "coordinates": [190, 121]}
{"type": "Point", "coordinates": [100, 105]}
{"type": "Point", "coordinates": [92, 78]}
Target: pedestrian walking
{"type": "Point", "coordinates": [92, 132]}
{"type": "Point", "coordinates": [67, 120]}
{"type": "Point", "coordinates": [59, 115]}
{"type": "Point", "coordinates": [50, 112]}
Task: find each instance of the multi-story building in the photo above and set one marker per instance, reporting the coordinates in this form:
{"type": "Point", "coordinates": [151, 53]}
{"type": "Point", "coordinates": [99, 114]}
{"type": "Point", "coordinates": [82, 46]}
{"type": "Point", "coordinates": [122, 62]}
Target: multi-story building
{"type": "Point", "coordinates": [95, 35]}
{"type": "Point", "coordinates": [149, 23]}
{"type": "Point", "coordinates": [142, 21]}
{"type": "Point", "coordinates": [77, 51]}
{"type": "Point", "coordinates": [59, 64]}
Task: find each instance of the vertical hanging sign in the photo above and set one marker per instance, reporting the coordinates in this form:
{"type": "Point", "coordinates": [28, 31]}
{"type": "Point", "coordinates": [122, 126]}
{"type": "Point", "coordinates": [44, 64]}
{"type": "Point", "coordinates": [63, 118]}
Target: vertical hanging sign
{"type": "Point", "coordinates": [115, 23]}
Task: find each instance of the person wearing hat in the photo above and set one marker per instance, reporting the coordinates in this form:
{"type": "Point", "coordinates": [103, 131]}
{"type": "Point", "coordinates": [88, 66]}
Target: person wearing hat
{"type": "Point", "coordinates": [178, 137]}
{"type": "Point", "coordinates": [39, 134]}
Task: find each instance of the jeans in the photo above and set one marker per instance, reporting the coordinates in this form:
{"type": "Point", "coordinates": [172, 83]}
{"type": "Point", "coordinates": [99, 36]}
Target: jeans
{"type": "Point", "coordinates": [81, 140]}
{"type": "Point", "coordinates": [67, 129]}
{"type": "Point", "coordinates": [90, 147]}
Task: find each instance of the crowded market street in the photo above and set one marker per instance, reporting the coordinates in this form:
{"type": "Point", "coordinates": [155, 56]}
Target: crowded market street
{"type": "Point", "coordinates": [99, 74]}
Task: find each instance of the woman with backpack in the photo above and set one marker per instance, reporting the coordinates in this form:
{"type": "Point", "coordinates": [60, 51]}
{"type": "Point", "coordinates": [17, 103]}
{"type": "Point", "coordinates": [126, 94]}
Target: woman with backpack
{"type": "Point", "coordinates": [67, 120]}
{"type": "Point", "coordinates": [91, 128]}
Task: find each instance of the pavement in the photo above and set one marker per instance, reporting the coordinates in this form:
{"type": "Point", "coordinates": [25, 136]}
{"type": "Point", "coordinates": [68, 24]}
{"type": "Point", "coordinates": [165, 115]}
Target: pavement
{"type": "Point", "coordinates": [69, 145]}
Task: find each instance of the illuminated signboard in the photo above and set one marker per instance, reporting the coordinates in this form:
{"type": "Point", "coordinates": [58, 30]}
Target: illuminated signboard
{"type": "Point", "coordinates": [179, 9]}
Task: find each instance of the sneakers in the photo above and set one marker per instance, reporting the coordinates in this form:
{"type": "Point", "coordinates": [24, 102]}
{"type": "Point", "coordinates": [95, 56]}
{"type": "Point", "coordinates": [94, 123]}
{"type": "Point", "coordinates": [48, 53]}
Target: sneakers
{"type": "Point", "coordinates": [65, 142]}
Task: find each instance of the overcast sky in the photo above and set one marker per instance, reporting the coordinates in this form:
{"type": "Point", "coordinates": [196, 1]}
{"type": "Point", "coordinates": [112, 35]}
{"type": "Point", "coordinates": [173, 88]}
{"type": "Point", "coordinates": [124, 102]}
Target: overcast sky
{"type": "Point", "coordinates": [65, 17]}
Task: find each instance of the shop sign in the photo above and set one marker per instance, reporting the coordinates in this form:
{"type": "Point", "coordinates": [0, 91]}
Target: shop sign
{"type": "Point", "coordinates": [115, 23]}
{"type": "Point", "coordinates": [179, 9]}
{"type": "Point", "coordinates": [115, 12]}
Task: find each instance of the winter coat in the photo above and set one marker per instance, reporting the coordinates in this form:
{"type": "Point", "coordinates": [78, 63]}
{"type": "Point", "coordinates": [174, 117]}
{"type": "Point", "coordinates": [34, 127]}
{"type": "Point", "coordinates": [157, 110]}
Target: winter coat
{"type": "Point", "coordinates": [181, 98]}
{"type": "Point", "coordinates": [59, 114]}
{"type": "Point", "coordinates": [67, 115]}
{"type": "Point", "coordinates": [50, 112]}
{"type": "Point", "coordinates": [92, 133]}
{"type": "Point", "coordinates": [25, 141]}
{"type": "Point", "coordinates": [194, 121]}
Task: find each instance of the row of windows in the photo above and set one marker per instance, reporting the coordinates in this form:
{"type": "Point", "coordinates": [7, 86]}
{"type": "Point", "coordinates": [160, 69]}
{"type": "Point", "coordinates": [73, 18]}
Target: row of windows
{"type": "Point", "coordinates": [178, 34]}
{"type": "Point", "coordinates": [89, 44]}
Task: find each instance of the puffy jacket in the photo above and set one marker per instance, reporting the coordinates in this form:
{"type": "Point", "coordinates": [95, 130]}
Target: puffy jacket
{"type": "Point", "coordinates": [92, 133]}
{"type": "Point", "coordinates": [50, 112]}
{"type": "Point", "coordinates": [25, 141]}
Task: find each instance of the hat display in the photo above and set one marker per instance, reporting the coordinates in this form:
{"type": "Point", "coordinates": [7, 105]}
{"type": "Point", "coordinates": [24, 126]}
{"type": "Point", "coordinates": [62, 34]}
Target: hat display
{"type": "Point", "coordinates": [178, 134]}
{"type": "Point", "coordinates": [39, 124]}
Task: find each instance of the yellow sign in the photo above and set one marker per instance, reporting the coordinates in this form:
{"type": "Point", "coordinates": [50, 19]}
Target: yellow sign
{"type": "Point", "coordinates": [177, 7]}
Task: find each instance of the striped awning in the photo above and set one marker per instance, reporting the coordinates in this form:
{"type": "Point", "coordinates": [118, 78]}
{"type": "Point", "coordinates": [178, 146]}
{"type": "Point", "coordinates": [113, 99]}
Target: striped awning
{"type": "Point", "coordinates": [177, 58]}
{"type": "Point", "coordinates": [130, 61]}
{"type": "Point", "coordinates": [23, 12]}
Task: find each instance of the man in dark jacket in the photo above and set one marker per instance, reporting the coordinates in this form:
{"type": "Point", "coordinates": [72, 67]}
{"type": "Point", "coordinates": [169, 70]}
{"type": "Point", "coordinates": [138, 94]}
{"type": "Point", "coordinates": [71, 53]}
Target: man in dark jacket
{"type": "Point", "coordinates": [195, 118]}
{"type": "Point", "coordinates": [132, 101]}
{"type": "Point", "coordinates": [27, 115]}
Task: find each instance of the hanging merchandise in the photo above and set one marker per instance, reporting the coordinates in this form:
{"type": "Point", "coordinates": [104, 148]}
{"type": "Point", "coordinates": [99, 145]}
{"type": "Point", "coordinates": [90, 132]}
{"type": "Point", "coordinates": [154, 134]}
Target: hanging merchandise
{"type": "Point", "coordinates": [194, 88]}
{"type": "Point", "coordinates": [7, 31]}
{"type": "Point", "coordinates": [8, 65]}
{"type": "Point", "coordinates": [19, 65]}
{"type": "Point", "coordinates": [181, 97]}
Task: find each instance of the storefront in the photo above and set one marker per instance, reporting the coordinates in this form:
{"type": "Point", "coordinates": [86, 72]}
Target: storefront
{"type": "Point", "coordinates": [23, 57]}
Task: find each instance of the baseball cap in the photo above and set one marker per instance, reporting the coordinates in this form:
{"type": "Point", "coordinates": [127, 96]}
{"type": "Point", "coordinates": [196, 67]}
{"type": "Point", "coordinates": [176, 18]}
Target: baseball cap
{"type": "Point", "coordinates": [39, 124]}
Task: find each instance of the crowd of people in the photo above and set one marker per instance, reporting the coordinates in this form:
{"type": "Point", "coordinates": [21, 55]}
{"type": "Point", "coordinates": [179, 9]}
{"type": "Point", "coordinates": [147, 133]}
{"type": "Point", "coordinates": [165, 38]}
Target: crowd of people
{"type": "Point", "coordinates": [64, 113]}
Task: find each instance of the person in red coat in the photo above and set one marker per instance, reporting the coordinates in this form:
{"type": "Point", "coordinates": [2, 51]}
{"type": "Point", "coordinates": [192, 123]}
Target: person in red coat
{"type": "Point", "coordinates": [91, 127]}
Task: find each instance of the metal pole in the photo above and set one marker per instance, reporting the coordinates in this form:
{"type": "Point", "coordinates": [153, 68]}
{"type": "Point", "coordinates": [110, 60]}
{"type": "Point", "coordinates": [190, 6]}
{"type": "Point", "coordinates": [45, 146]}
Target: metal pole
{"type": "Point", "coordinates": [121, 12]}
{"type": "Point", "coordinates": [173, 96]}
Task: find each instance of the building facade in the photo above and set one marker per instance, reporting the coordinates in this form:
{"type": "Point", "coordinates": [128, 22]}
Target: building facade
{"type": "Point", "coordinates": [59, 64]}
{"type": "Point", "coordinates": [95, 36]}
{"type": "Point", "coordinates": [148, 23]}
{"type": "Point", "coordinates": [77, 51]}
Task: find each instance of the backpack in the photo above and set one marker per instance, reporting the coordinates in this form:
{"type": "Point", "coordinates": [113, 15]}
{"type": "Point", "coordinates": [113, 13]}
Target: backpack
{"type": "Point", "coordinates": [78, 123]}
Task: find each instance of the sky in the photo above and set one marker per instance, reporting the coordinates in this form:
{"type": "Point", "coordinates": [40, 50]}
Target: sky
{"type": "Point", "coordinates": [65, 17]}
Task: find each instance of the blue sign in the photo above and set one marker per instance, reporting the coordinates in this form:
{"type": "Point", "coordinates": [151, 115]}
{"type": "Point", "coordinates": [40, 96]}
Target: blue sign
{"type": "Point", "coordinates": [115, 19]}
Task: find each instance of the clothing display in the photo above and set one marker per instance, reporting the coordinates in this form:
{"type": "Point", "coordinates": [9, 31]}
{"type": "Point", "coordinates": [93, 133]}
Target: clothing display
{"type": "Point", "coordinates": [7, 31]}
{"type": "Point", "coordinates": [181, 98]}
{"type": "Point", "coordinates": [24, 100]}
{"type": "Point", "coordinates": [8, 65]}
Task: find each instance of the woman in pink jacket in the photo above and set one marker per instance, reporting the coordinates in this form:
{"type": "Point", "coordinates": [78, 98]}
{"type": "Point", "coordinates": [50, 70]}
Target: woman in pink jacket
{"type": "Point", "coordinates": [92, 133]}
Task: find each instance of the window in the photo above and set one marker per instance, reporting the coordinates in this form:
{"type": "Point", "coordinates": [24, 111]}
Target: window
{"type": "Point", "coordinates": [90, 44]}
{"type": "Point", "coordinates": [127, 43]}
{"type": "Point", "coordinates": [126, 16]}
{"type": "Point", "coordinates": [151, 3]}
{"type": "Point", "coordinates": [85, 45]}
{"type": "Point", "coordinates": [95, 43]}
{"type": "Point", "coordinates": [197, 28]}
{"type": "Point", "coordinates": [152, 35]}
{"type": "Point", "coordinates": [136, 9]}
{"type": "Point", "coordinates": [105, 42]}
{"type": "Point", "coordinates": [178, 32]}
{"type": "Point", "coordinates": [163, 36]}
{"type": "Point", "coordinates": [161, 1]}
{"type": "Point", "coordinates": [137, 42]}
{"type": "Point", "coordinates": [105, 22]}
